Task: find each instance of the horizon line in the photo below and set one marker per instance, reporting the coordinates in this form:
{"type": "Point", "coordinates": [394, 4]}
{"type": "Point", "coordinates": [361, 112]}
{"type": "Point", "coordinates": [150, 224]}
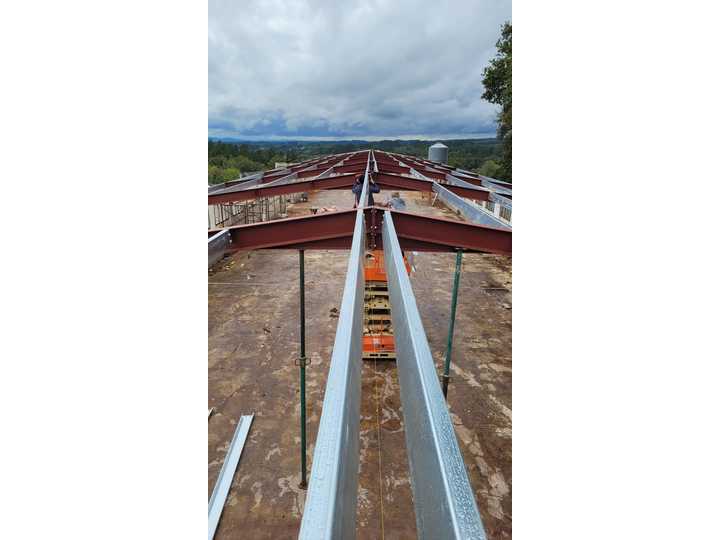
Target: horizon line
{"type": "Point", "coordinates": [368, 138]}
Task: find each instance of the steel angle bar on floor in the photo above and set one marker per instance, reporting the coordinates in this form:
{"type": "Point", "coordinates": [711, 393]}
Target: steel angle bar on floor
{"type": "Point", "coordinates": [330, 507]}
{"type": "Point", "coordinates": [444, 502]}
{"type": "Point", "coordinates": [224, 481]}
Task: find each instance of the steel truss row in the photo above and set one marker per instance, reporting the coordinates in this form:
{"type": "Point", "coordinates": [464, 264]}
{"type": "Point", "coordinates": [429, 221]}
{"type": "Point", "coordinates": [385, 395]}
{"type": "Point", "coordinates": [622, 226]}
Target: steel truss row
{"type": "Point", "coordinates": [334, 230]}
{"type": "Point", "coordinates": [345, 180]}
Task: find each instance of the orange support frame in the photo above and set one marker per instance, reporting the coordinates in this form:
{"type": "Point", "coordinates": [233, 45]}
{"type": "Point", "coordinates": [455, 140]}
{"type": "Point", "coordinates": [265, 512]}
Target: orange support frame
{"type": "Point", "coordinates": [375, 266]}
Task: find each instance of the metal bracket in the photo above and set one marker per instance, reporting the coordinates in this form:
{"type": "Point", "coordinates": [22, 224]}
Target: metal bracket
{"type": "Point", "coordinates": [303, 362]}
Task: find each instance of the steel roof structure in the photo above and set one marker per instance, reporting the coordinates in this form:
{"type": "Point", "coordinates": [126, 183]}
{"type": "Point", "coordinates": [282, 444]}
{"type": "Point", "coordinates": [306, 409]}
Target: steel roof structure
{"type": "Point", "coordinates": [445, 505]}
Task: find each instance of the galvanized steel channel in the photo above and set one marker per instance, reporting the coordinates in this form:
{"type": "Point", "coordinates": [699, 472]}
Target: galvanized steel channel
{"type": "Point", "coordinates": [224, 481]}
{"type": "Point", "coordinates": [445, 506]}
{"type": "Point", "coordinates": [330, 507]}
{"type": "Point", "coordinates": [217, 244]}
{"type": "Point", "coordinates": [467, 209]}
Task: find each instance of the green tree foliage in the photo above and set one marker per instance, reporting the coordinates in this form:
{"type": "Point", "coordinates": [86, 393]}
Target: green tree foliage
{"type": "Point", "coordinates": [490, 168]}
{"type": "Point", "coordinates": [497, 79]}
{"type": "Point", "coordinates": [230, 174]}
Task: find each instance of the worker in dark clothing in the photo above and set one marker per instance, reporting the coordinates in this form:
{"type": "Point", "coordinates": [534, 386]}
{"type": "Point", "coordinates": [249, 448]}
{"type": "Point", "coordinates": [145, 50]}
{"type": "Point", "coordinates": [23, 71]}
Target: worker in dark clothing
{"type": "Point", "coordinates": [357, 189]}
{"type": "Point", "coordinates": [396, 203]}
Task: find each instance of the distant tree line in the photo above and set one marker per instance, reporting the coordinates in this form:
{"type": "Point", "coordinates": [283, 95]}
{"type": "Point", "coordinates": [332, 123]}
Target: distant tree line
{"type": "Point", "coordinates": [228, 159]}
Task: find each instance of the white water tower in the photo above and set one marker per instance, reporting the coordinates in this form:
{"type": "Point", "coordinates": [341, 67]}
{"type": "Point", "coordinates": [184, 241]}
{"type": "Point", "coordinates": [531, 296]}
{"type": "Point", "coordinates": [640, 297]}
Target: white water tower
{"type": "Point", "coordinates": [438, 152]}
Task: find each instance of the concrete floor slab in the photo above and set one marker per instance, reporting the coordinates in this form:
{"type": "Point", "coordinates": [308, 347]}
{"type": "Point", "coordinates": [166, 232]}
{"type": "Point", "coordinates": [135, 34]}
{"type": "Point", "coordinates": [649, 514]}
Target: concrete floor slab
{"type": "Point", "coordinates": [253, 333]}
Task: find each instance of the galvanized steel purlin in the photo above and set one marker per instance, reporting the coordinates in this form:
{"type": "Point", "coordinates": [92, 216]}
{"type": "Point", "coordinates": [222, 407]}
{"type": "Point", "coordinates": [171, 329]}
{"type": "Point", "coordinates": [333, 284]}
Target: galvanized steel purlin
{"type": "Point", "coordinates": [364, 194]}
{"type": "Point", "coordinates": [217, 244]}
{"type": "Point", "coordinates": [331, 502]}
{"type": "Point", "coordinates": [445, 506]}
{"type": "Point", "coordinates": [224, 481]}
{"type": "Point", "coordinates": [467, 209]}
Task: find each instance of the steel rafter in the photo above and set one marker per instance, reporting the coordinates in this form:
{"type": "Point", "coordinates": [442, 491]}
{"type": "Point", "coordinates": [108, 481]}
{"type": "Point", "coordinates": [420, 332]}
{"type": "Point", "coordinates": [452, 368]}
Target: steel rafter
{"type": "Point", "coordinates": [331, 182]}
{"type": "Point", "coordinates": [444, 502]}
{"type": "Point", "coordinates": [292, 233]}
{"type": "Point", "coordinates": [439, 234]}
{"type": "Point", "coordinates": [415, 184]}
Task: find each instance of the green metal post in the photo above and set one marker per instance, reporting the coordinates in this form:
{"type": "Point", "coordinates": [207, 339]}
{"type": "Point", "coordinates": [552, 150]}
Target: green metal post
{"type": "Point", "coordinates": [448, 353]}
{"type": "Point", "coordinates": [303, 442]}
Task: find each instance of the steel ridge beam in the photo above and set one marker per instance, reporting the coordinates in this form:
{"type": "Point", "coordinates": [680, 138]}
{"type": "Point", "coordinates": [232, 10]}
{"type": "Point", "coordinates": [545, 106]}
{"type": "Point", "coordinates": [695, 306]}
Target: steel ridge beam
{"type": "Point", "coordinates": [224, 480]}
{"type": "Point", "coordinates": [444, 502]}
{"type": "Point", "coordinates": [331, 504]}
{"type": "Point", "coordinates": [291, 232]}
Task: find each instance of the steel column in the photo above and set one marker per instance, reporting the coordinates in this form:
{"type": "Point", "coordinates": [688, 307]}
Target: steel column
{"type": "Point", "coordinates": [445, 506]}
{"type": "Point", "coordinates": [453, 307]}
{"type": "Point", "coordinates": [302, 362]}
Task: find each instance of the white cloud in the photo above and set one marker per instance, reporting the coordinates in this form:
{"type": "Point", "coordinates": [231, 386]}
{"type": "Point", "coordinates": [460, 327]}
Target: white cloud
{"type": "Point", "coordinates": [350, 68]}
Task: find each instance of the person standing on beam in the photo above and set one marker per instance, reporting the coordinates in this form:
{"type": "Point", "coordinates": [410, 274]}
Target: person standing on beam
{"type": "Point", "coordinates": [357, 189]}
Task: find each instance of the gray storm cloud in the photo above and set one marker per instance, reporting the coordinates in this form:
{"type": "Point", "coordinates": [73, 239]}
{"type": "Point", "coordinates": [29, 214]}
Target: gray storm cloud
{"type": "Point", "coordinates": [350, 68]}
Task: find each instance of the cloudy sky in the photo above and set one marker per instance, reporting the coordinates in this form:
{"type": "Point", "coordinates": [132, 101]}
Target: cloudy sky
{"type": "Point", "coordinates": [358, 69]}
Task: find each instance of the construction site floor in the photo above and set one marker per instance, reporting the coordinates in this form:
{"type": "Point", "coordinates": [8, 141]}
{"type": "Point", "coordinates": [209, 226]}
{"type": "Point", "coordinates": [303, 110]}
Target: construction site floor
{"type": "Point", "coordinates": [253, 344]}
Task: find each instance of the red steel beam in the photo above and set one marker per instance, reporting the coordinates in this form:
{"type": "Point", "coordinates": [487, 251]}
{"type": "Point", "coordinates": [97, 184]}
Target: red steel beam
{"type": "Point", "coordinates": [334, 230]}
{"type": "Point", "coordinates": [331, 230]}
{"type": "Point", "coordinates": [424, 233]}
{"type": "Point", "coordinates": [393, 168]}
{"type": "Point", "coordinates": [357, 168]}
{"type": "Point", "coordinates": [415, 184]}
{"type": "Point", "coordinates": [333, 182]}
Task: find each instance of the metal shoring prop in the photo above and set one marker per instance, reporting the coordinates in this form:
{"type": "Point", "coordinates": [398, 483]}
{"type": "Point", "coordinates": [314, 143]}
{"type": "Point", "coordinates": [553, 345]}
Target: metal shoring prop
{"type": "Point", "coordinates": [302, 363]}
{"type": "Point", "coordinates": [453, 307]}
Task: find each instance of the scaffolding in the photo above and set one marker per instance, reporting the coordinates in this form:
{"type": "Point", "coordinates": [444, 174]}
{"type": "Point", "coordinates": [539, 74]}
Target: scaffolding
{"type": "Point", "coordinates": [252, 211]}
